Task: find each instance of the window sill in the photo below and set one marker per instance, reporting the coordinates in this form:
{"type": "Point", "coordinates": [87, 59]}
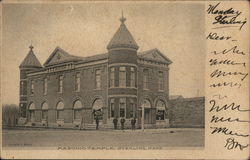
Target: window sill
{"type": "Point", "coordinates": [163, 120]}
{"type": "Point", "coordinates": [97, 89]}
{"type": "Point", "coordinates": [160, 90]}
{"type": "Point", "coordinates": [145, 89]}
{"type": "Point", "coordinates": [77, 91]}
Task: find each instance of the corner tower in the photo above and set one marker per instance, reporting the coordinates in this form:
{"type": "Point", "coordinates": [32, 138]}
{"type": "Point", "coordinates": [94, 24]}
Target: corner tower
{"type": "Point", "coordinates": [30, 63]}
{"type": "Point", "coordinates": [122, 67]}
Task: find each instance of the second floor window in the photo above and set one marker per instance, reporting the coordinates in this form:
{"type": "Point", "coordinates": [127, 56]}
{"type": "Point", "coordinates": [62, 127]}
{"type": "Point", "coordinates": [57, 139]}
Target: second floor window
{"type": "Point", "coordinates": [45, 86]}
{"type": "Point", "coordinates": [77, 82]}
{"type": "Point", "coordinates": [132, 77]}
{"type": "Point", "coordinates": [60, 84]}
{"type": "Point", "coordinates": [122, 77]}
{"type": "Point", "coordinates": [145, 79]}
{"type": "Point", "coordinates": [98, 79]}
{"type": "Point", "coordinates": [112, 77]}
{"type": "Point", "coordinates": [21, 88]}
{"type": "Point", "coordinates": [32, 87]}
{"type": "Point", "coordinates": [160, 81]}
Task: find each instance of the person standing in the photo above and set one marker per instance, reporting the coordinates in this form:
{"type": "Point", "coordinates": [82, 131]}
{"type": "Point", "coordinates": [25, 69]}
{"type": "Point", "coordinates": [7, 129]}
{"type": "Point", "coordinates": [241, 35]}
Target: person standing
{"type": "Point", "coordinates": [115, 121]}
{"type": "Point", "coordinates": [97, 122]}
{"type": "Point", "coordinates": [122, 123]}
{"type": "Point", "coordinates": [133, 124]}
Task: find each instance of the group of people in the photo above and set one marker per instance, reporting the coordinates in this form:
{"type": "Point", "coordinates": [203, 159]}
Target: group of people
{"type": "Point", "coordinates": [98, 114]}
{"type": "Point", "coordinates": [122, 121]}
{"type": "Point", "coordinates": [115, 122]}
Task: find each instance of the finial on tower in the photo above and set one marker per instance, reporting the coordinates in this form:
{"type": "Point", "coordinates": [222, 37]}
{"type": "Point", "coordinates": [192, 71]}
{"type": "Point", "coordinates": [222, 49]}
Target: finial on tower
{"type": "Point", "coordinates": [122, 19]}
{"type": "Point", "coordinates": [31, 47]}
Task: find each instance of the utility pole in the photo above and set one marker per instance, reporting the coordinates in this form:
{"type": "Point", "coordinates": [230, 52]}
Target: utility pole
{"type": "Point", "coordinates": [142, 116]}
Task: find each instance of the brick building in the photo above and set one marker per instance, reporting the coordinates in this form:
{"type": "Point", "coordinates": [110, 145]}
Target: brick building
{"type": "Point", "coordinates": [68, 89]}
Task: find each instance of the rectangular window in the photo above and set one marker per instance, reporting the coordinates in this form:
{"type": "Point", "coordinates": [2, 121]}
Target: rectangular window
{"type": "Point", "coordinates": [77, 114]}
{"type": "Point", "coordinates": [160, 115]}
{"type": "Point", "coordinates": [132, 77]}
{"type": "Point", "coordinates": [112, 77]}
{"type": "Point", "coordinates": [44, 114]}
{"type": "Point", "coordinates": [98, 79]}
{"type": "Point", "coordinates": [161, 80]}
{"type": "Point", "coordinates": [45, 86]}
{"type": "Point", "coordinates": [32, 115]}
{"type": "Point", "coordinates": [122, 77]}
{"type": "Point", "coordinates": [112, 108]}
{"type": "Point", "coordinates": [131, 109]}
{"type": "Point", "coordinates": [32, 87]}
{"type": "Point", "coordinates": [77, 82]}
{"type": "Point", "coordinates": [60, 84]}
{"type": "Point", "coordinates": [59, 114]}
{"type": "Point", "coordinates": [145, 79]}
{"type": "Point", "coordinates": [122, 107]}
{"type": "Point", "coordinates": [21, 88]}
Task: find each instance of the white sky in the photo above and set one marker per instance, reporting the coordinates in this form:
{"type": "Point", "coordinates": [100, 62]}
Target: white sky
{"type": "Point", "coordinates": [85, 29]}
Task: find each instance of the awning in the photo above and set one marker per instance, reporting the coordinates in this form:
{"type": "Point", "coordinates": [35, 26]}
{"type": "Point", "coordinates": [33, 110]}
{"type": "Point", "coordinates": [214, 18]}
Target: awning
{"type": "Point", "coordinates": [78, 104]}
{"type": "Point", "coordinates": [60, 105]}
{"type": "Point", "coordinates": [32, 106]}
{"type": "Point", "coordinates": [45, 106]}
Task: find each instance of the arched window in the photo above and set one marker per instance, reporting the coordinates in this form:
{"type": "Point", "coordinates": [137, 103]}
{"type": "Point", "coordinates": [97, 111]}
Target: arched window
{"type": "Point", "coordinates": [160, 110]}
{"type": "Point", "coordinates": [146, 103]}
{"type": "Point", "coordinates": [78, 109]}
{"type": "Point", "coordinates": [97, 108]}
{"type": "Point", "coordinates": [45, 108]}
{"type": "Point", "coordinates": [60, 108]}
{"type": "Point", "coordinates": [32, 112]}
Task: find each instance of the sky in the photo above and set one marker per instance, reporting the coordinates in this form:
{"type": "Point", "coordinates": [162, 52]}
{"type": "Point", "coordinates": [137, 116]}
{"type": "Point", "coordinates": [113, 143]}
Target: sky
{"type": "Point", "coordinates": [85, 28]}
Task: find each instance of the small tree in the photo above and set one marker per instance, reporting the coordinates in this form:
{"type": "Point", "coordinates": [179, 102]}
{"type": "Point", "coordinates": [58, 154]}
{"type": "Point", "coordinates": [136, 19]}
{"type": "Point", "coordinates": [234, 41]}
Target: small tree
{"type": "Point", "coordinates": [9, 115]}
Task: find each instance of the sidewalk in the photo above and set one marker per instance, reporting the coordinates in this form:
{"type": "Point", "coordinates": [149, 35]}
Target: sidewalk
{"type": "Point", "coordinates": [158, 130]}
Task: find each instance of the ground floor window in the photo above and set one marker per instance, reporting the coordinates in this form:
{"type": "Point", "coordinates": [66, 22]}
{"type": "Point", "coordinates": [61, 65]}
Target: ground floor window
{"type": "Point", "coordinates": [44, 114]}
{"type": "Point", "coordinates": [122, 107]}
{"type": "Point", "coordinates": [131, 108]}
{"type": "Point", "coordinates": [77, 114]}
{"type": "Point", "coordinates": [112, 108]}
{"type": "Point", "coordinates": [160, 115]}
{"type": "Point", "coordinates": [78, 109]}
{"type": "Point", "coordinates": [60, 107]}
{"type": "Point", "coordinates": [59, 114]}
{"type": "Point", "coordinates": [160, 110]}
{"type": "Point", "coordinates": [32, 115]}
{"type": "Point", "coordinates": [97, 109]}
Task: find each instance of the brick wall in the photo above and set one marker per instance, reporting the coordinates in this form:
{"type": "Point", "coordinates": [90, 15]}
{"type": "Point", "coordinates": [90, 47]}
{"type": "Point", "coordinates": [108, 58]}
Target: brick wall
{"type": "Point", "coordinates": [188, 112]}
{"type": "Point", "coordinates": [87, 93]}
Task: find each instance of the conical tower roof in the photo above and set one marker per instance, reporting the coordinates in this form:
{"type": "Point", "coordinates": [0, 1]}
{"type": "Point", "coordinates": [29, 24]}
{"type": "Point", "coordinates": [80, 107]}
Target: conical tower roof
{"type": "Point", "coordinates": [30, 60]}
{"type": "Point", "coordinates": [122, 38]}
